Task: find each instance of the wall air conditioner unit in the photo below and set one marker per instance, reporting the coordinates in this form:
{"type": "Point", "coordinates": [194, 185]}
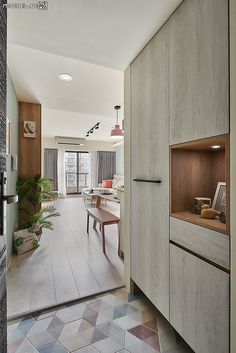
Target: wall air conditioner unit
{"type": "Point", "coordinates": [71, 141]}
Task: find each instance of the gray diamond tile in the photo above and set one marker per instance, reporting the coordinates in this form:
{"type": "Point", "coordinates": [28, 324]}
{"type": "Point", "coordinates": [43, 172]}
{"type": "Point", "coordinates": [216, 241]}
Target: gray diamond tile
{"type": "Point", "coordinates": [107, 346]}
{"type": "Point", "coordinates": [76, 334]}
{"type": "Point", "coordinates": [45, 331]}
{"type": "Point", "coordinates": [88, 349]}
{"type": "Point", "coordinates": [54, 347]}
{"type": "Point", "coordinates": [26, 347]}
{"type": "Point", "coordinates": [71, 313]}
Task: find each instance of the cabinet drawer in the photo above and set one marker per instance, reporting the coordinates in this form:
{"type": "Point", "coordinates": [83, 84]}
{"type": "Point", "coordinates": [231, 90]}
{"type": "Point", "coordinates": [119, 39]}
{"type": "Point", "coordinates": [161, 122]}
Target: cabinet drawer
{"type": "Point", "coordinates": [207, 243]}
{"type": "Point", "coordinates": [199, 302]}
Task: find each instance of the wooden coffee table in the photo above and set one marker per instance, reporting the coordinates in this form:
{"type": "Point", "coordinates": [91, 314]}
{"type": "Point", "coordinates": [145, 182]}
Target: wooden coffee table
{"type": "Point", "coordinates": [91, 196]}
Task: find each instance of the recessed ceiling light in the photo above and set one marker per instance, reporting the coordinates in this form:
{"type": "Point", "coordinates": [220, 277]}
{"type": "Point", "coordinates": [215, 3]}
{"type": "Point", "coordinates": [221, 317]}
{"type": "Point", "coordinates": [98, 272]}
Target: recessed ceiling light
{"type": "Point", "coordinates": [65, 77]}
{"type": "Point", "coordinates": [215, 147]}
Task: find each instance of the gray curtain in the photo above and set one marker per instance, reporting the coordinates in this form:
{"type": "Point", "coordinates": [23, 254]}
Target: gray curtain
{"type": "Point", "coordinates": [50, 165]}
{"type": "Point", "coordinates": [106, 165]}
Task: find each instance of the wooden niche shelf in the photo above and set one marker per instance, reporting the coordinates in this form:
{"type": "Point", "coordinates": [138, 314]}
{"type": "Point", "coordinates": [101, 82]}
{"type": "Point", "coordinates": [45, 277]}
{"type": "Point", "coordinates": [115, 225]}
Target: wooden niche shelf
{"type": "Point", "coordinates": [196, 169]}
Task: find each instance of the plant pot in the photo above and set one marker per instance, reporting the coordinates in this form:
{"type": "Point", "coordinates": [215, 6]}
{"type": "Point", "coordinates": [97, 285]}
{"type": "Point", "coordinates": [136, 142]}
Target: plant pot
{"type": "Point", "coordinates": [36, 227]}
{"type": "Point", "coordinates": [39, 233]}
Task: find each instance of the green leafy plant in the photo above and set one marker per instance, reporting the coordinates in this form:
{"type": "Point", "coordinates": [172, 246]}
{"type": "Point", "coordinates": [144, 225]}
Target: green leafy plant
{"type": "Point", "coordinates": [32, 192]}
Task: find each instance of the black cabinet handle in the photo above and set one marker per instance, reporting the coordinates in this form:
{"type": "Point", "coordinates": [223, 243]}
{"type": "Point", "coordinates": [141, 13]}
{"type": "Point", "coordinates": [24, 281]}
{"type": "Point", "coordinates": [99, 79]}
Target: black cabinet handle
{"type": "Point", "coordinates": [147, 180]}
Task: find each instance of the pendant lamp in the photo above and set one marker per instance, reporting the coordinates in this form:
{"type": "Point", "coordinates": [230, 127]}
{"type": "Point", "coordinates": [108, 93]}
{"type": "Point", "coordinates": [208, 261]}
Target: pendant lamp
{"type": "Point", "coordinates": [117, 132]}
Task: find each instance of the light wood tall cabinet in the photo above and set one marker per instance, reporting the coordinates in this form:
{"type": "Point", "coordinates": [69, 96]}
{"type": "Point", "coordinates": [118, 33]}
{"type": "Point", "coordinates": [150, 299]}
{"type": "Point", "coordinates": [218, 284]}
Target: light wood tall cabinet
{"type": "Point", "coordinates": [199, 302]}
{"type": "Point", "coordinates": [199, 84]}
{"type": "Point", "coordinates": [150, 161]}
{"type": "Point", "coordinates": [179, 96]}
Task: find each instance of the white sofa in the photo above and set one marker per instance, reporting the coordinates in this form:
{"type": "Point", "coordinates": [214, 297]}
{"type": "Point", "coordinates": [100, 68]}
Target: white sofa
{"type": "Point", "coordinates": [117, 182]}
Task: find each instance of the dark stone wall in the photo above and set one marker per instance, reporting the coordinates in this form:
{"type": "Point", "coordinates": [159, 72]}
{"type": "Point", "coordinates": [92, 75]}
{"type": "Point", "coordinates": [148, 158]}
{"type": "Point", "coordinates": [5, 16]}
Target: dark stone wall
{"type": "Point", "coordinates": [3, 94]}
{"type": "Point", "coordinates": [3, 84]}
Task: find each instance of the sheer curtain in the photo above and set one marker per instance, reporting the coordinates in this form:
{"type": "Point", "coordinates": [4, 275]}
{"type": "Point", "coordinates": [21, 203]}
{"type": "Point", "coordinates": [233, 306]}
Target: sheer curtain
{"type": "Point", "coordinates": [61, 173]}
{"type": "Point", "coordinates": [93, 169]}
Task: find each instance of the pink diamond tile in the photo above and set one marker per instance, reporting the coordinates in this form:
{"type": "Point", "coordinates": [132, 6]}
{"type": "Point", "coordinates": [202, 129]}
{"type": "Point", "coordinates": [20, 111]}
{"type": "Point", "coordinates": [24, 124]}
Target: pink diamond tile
{"type": "Point", "coordinates": [90, 315]}
{"type": "Point", "coordinates": [153, 341]}
{"type": "Point", "coordinates": [142, 332]}
{"type": "Point", "coordinates": [114, 322]}
{"type": "Point", "coordinates": [12, 346]}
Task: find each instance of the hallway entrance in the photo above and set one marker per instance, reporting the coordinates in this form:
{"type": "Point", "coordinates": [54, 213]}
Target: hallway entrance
{"type": "Point", "coordinates": [68, 264]}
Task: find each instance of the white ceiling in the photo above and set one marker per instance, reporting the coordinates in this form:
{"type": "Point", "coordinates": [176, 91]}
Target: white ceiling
{"type": "Point", "coordinates": [93, 90]}
{"type": "Point", "coordinates": [103, 32]}
{"type": "Point", "coordinates": [77, 125]}
{"type": "Point", "coordinates": [94, 41]}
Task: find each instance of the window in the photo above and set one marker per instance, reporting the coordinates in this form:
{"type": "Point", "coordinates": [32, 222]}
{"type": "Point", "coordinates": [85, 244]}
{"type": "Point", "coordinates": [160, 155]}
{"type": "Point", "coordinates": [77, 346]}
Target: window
{"type": "Point", "coordinates": [77, 171]}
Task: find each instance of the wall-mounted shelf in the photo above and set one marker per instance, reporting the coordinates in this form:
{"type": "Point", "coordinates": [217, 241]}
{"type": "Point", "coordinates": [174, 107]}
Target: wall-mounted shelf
{"type": "Point", "coordinates": [196, 169]}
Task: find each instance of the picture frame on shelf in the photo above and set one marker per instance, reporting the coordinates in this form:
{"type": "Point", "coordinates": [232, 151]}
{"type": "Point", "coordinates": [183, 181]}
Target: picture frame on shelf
{"type": "Point", "coordinates": [219, 202]}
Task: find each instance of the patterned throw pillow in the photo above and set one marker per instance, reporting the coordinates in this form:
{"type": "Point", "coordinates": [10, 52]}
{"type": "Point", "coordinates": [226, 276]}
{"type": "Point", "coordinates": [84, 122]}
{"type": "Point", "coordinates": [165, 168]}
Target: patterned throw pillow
{"type": "Point", "coordinates": [25, 240]}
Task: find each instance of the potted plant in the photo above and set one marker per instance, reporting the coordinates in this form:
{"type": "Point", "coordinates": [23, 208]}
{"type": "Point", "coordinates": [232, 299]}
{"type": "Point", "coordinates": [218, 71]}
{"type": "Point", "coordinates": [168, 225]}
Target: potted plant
{"type": "Point", "coordinates": [32, 192]}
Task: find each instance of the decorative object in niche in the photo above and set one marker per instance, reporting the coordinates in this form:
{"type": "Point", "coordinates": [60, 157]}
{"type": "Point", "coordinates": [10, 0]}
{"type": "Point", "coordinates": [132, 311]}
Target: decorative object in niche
{"type": "Point", "coordinates": [208, 213]}
{"type": "Point", "coordinates": [29, 129]}
{"type": "Point", "coordinates": [196, 169]}
{"type": "Point", "coordinates": [199, 202]}
{"type": "Point", "coordinates": [222, 217]}
{"type": "Point", "coordinates": [219, 202]}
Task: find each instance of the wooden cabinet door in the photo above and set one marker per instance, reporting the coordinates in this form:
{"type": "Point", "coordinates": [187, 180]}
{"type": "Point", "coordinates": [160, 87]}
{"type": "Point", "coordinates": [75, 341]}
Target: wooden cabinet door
{"type": "Point", "coordinates": [199, 83]}
{"type": "Point", "coordinates": [199, 302]}
{"type": "Point", "coordinates": [149, 160]}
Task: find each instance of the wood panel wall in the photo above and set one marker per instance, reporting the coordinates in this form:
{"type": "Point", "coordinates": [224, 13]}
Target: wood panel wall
{"type": "Point", "coordinates": [29, 148]}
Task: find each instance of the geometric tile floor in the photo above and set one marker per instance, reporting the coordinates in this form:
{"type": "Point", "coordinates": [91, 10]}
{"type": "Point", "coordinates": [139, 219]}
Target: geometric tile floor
{"type": "Point", "coordinates": [114, 322]}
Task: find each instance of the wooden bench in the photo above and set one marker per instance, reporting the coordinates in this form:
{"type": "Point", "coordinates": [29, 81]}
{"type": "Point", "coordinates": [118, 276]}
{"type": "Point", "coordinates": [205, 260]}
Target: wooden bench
{"type": "Point", "coordinates": [103, 218]}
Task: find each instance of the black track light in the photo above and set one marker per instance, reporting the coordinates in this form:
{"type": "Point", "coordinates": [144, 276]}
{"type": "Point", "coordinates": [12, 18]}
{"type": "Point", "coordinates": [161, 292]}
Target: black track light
{"type": "Point", "coordinates": [96, 126]}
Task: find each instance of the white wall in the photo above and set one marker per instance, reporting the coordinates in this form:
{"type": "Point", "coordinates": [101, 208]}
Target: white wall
{"type": "Point", "coordinates": [119, 149]}
{"type": "Point", "coordinates": [88, 147]}
{"type": "Point", "coordinates": [75, 124]}
{"type": "Point", "coordinates": [127, 178]}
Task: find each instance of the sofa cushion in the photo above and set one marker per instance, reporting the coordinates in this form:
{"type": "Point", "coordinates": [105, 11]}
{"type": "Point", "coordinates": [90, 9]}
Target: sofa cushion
{"type": "Point", "coordinates": [107, 183]}
{"type": "Point", "coordinates": [117, 182]}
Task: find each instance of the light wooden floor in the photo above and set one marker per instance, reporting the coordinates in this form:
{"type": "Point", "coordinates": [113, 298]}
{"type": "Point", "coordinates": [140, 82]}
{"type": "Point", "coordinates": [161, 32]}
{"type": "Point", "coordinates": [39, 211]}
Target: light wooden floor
{"type": "Point", "coordinates": [67, 265]}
